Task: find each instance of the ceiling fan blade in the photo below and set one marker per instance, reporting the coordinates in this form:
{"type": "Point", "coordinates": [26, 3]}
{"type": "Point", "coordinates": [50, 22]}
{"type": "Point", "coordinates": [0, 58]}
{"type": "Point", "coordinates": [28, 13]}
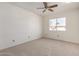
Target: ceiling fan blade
{"type": "Point", "coordinates": [40, 8]}
{"type": "Point", "coordinates": [45, 4]}
{"type": "Point", "coordinates": [53, 6]}
{"type": "Point", "coordinates": [50, 10]}
{"type": "Point", "coordinates": [44, 10]}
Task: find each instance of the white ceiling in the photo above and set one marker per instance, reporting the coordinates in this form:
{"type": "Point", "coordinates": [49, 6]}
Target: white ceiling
{"type": "Point", "coordinates": [32, 6]}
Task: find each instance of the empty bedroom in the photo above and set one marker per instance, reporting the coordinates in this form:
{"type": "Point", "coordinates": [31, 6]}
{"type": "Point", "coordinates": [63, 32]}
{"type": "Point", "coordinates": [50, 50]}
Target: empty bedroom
{"type": "Point", "coordinates": [39, 28]}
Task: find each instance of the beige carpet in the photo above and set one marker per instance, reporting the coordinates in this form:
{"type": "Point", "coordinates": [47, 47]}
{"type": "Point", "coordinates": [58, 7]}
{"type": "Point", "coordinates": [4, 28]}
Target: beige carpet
{"type": "Point", "coordinates": [44, 47]}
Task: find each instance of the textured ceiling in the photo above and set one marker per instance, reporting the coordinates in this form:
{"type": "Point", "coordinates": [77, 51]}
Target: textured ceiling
{"type": "Point", "coordinates": [32, 6]}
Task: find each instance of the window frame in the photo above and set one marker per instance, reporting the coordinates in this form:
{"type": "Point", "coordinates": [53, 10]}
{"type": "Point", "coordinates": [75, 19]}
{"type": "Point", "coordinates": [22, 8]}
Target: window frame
{"type": "Point", "coordinates": [64, 26]}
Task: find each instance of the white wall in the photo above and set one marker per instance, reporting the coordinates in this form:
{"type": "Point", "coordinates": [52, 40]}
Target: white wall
{"type": "Point", "coordinates": [72, 21]}
{"type": "Point", "coordinates": [19, 25]}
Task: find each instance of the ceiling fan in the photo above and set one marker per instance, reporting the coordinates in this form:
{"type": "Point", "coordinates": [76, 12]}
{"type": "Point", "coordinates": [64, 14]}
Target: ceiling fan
{"type": "Point", "coordinates": [46, 7]}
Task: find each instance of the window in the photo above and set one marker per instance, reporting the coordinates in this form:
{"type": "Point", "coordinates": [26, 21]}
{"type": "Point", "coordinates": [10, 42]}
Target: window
{"type": "Point", "coordinates": [58, 24]}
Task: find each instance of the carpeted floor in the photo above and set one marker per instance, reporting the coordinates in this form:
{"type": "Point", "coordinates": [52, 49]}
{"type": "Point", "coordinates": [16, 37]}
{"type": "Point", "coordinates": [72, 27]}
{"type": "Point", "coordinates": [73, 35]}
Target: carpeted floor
{"type": "Point", "coordinates": [44, 47]}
